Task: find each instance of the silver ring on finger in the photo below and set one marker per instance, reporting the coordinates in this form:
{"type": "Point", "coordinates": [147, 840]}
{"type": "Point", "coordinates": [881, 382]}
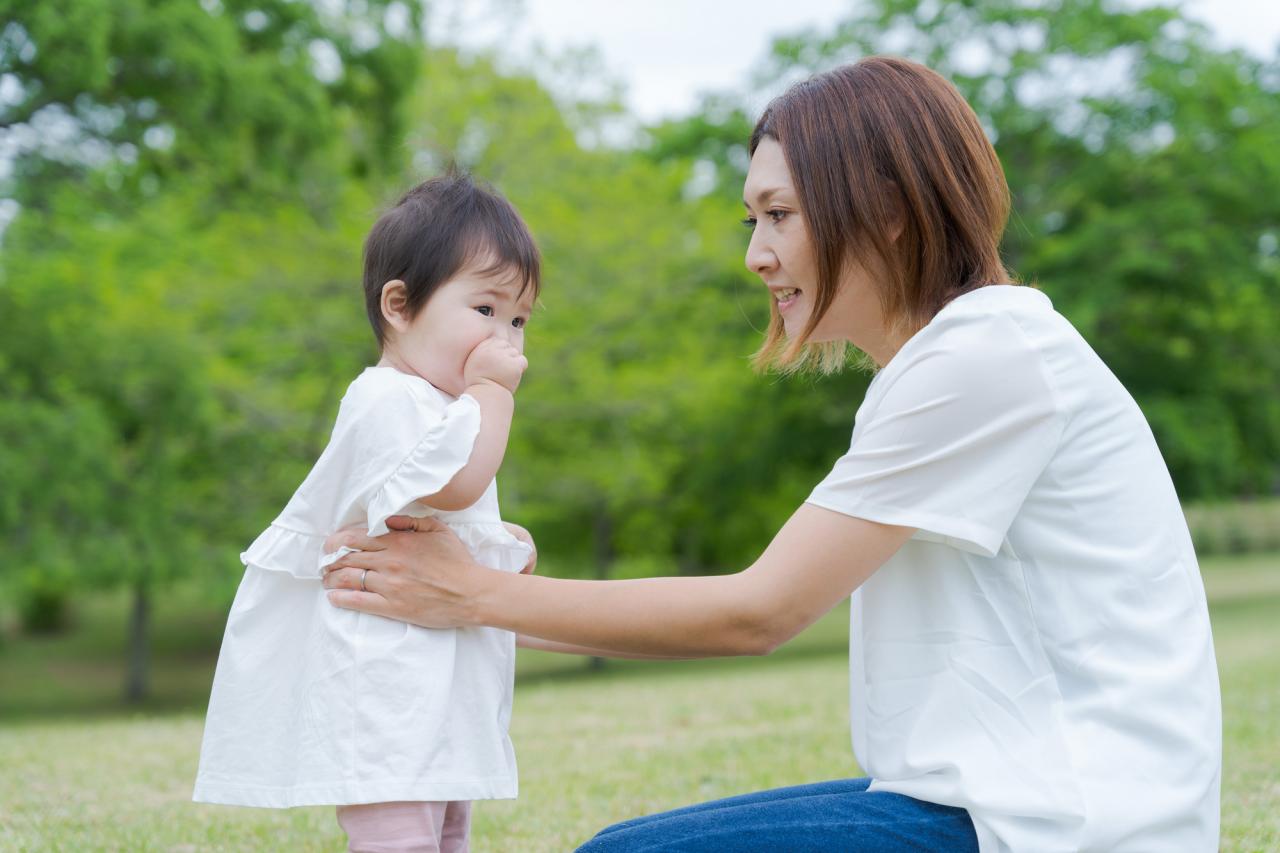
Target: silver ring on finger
{"type": "Point", "coordinates": [363, 576]}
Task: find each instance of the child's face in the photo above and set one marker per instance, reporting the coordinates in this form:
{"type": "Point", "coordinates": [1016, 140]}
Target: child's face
{"type": "Point", "coordinates": [462, 312]}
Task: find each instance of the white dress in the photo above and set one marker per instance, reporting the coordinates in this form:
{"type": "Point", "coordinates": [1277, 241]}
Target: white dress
{"type": "Point", "coordinates": [316, 705]}
{"type": "Point", "coordinates": [1039, 651]}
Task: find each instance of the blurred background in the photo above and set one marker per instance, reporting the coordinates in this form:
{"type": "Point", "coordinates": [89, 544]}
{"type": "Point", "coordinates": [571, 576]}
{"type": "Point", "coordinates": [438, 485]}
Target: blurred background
{"type": "Point", "coordinates": [185, 185]}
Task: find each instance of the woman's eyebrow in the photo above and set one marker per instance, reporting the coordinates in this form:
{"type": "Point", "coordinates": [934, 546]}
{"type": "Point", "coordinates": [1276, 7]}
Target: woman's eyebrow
{"type": "Point", "coordinates": [763, 196]}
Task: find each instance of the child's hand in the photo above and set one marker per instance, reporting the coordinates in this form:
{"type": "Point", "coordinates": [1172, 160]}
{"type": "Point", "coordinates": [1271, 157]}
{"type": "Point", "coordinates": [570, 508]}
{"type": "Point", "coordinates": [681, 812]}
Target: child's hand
{"type": "Point", "coordinates": [497, 361]}
{"type": "Point", "coordinates": [525, 537]}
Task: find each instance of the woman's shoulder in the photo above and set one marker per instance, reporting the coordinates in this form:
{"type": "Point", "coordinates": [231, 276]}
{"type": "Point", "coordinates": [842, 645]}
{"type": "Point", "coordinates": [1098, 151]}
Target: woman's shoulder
{"type": "Point", "coordinates": [985, 352]}
{"type": "Point", "coordinates": [994, 306]}
{"type": "Point", "coordinates": [980, 334]}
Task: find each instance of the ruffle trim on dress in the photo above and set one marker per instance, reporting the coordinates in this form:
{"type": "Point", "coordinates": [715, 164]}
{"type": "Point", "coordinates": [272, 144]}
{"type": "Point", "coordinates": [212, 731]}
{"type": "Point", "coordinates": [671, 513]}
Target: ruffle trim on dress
{"type": "Point", "coordinates": [493, 546]}
{"type": "Point", "coordinates": [442, 452]}
{"type": "Point", "coordinates": [279, 549]}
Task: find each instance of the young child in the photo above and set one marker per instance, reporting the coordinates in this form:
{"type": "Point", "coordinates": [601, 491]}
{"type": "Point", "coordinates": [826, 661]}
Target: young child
{"type": "Point", "coordinates": [398, 726]}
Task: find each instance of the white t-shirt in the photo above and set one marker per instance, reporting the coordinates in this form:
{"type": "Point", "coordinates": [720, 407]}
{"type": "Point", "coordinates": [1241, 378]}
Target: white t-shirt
{"type": "Point", "coordinates": [1039, 652]}
{"type": "Point", "coordinates": [315, 705]}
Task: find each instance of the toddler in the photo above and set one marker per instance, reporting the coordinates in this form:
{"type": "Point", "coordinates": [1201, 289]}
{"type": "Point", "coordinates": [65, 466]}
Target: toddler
{"type": "Point", "coordinates": [398, 726]}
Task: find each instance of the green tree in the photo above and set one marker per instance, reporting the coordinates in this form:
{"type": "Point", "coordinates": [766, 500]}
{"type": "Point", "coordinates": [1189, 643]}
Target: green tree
{"type": "Point", "coordinates": [184, 174]}
{"type": "Point", "coordinates": [1145, 168]}
{"type": "Point", "coordinates": [261, 95]}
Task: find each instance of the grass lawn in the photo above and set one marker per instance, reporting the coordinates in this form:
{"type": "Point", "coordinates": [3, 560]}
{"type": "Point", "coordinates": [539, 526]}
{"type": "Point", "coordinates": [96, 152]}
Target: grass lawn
{"type": "Point", "coordinates": [78, 773]}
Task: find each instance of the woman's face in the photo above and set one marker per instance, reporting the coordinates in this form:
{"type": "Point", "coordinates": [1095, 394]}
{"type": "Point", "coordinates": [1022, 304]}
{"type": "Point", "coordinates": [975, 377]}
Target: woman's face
{"type": "Point", "coordinates": [782, 254]}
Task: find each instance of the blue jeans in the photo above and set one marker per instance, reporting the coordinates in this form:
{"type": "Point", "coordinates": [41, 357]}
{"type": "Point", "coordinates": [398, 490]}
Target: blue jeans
{"type": "Point", "coordinates": [826, 816]}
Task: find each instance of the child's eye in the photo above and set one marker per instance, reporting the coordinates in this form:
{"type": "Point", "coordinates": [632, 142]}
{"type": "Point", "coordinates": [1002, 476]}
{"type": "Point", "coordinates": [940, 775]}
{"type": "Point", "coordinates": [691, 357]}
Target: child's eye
{"type": "Point", "coordinates": [519, 322]}
{"type": "Point", "coordinates": [486, 310]}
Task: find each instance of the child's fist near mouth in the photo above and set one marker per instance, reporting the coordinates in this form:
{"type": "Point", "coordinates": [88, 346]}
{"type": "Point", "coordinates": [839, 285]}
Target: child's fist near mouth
{"type": "Point", "coordinates": [495, 360]}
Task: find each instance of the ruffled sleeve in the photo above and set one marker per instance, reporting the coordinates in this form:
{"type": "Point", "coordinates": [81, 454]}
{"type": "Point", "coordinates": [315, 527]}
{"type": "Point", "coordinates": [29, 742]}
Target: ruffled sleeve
{"type": "Point", "coordinates": [397, 439]}
{"type": "Point", "coordinates": [441, 451]}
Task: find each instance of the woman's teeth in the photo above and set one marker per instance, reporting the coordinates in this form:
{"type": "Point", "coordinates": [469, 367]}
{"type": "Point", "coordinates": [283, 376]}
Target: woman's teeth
{"type": "Point", "coordinates": [787, 295]}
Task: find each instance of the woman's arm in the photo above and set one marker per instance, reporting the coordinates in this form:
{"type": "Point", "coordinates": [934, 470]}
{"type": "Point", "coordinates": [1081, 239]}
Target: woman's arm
{"type": "Point", "coordinates": [526, 642]}
{"type": "Point", "coordinates": [428, 578]}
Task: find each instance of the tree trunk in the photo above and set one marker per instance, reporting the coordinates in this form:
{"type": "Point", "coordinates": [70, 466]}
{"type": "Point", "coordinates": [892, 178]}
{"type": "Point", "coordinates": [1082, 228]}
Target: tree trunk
{"type": "Point", "coordinates": [136, 687]}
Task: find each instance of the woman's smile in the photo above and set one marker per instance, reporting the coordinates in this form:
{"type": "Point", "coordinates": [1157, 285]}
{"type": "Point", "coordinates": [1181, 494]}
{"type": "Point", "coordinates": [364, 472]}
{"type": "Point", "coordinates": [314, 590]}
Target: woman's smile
{"type": "Point", "coordinates": [785, 297]}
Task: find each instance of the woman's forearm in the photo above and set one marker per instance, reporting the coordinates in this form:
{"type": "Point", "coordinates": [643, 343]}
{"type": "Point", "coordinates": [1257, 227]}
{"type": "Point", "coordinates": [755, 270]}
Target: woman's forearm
{"type": "Point", "coordinates": [679, 617]}
{"type": "Point", "coordinates": [524, 641]}
{"type": "Point", "coordinates": [816, 560]}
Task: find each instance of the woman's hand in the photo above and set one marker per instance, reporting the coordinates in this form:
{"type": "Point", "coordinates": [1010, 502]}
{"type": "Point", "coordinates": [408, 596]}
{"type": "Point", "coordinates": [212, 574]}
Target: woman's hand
{"type": "Point", "coordinates": [420, 572]}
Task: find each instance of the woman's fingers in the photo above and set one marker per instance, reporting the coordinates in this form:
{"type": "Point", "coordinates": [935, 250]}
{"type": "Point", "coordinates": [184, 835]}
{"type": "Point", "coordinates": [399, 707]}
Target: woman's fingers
{"type": "Point", "coordinates": [360, 580]}
{"type": "Point", "coordinates": [359, 589]}
{"type": "Point", "coordinates": [417, 525]}
{"type": "Point", "coordinates": [421, 576]}
{"type": "Point", "coordinates": [375, 561]}
{"type": "Point", "coordinates": [353, 536]}
{"type": "Point", "coordinates": [365, 602]}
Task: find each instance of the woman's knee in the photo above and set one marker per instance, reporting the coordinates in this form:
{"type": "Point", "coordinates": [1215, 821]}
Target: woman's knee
{"type": "Point", "coordinates": [609, 839]}
{"type": "Point", "coordinates": [599, 843]}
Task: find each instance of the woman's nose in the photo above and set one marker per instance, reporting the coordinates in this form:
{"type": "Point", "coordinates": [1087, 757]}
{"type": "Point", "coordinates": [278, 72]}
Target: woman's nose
{"type": "Point", "coordinates": [760, 259]}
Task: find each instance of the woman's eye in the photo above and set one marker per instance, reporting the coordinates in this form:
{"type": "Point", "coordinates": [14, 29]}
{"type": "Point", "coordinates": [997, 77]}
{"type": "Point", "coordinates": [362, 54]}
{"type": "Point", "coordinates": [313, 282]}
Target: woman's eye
{"type": "Point", "coordinates": [519, 322]}
{"type": "Point", "coordinates": [750, 222]}
{"type": "Point", "coordinates": [776, 215]}
{"type": "Point", "coordinates": [486, 310]}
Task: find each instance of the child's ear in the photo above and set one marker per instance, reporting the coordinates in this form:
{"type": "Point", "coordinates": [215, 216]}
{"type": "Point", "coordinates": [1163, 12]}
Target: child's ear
{"type": "Point", "coordinates": [395, 301]}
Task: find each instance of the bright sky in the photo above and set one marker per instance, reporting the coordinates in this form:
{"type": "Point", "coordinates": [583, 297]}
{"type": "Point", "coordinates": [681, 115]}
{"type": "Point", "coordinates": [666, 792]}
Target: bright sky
{"type": "Point", "coordinates": [666, 51]}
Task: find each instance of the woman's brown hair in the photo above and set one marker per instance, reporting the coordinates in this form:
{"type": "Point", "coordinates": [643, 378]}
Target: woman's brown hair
{"type": "Point", "coordinates": [873, 147]}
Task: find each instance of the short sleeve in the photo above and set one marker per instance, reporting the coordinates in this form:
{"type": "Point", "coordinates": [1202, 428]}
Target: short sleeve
{"type": "Point", "coordinates": [952, 437]}
{"type": "Point", "coordinates": [411, 443]}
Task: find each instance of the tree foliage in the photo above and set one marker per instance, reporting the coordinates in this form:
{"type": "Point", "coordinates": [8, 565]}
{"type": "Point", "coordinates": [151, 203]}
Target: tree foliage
{"type": "Point", "coordinates": [1145, 168]}
{"type": "Point", "coordinates": [184, 173]}
{"type": "Point", "coordinates": [180, 305]}
{"type": "Point", "coordinates": [256, 95]}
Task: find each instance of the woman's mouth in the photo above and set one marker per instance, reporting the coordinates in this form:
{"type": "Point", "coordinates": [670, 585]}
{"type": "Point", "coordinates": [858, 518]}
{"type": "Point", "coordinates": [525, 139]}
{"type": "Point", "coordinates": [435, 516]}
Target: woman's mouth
{"type": "Point", "coordinates": [786, 297]}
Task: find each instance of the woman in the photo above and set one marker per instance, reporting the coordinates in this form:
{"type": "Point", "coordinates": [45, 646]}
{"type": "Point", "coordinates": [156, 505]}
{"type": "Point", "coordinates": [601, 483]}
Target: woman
{"type": "Point", "coordinates": [1031, 662]}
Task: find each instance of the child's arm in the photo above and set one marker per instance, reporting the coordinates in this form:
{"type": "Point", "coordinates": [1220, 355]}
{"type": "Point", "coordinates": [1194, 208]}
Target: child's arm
{"type": "Point", "coordinates": [492, 373]}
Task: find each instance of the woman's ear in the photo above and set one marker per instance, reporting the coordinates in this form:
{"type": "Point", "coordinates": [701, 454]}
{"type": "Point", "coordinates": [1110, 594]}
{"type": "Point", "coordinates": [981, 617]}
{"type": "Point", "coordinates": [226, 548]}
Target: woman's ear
{"type": "Point", "coordinates": [395, 303]}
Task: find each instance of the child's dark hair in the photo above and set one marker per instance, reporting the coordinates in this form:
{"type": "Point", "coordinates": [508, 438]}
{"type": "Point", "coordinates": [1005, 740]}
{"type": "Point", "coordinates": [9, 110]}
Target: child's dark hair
{"type": "Point", "coordinates": [435, 230]}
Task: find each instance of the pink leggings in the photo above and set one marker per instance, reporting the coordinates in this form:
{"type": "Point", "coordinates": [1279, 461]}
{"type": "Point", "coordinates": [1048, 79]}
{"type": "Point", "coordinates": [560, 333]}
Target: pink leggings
{"type": "Point", "coordinates": [407, 827]}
